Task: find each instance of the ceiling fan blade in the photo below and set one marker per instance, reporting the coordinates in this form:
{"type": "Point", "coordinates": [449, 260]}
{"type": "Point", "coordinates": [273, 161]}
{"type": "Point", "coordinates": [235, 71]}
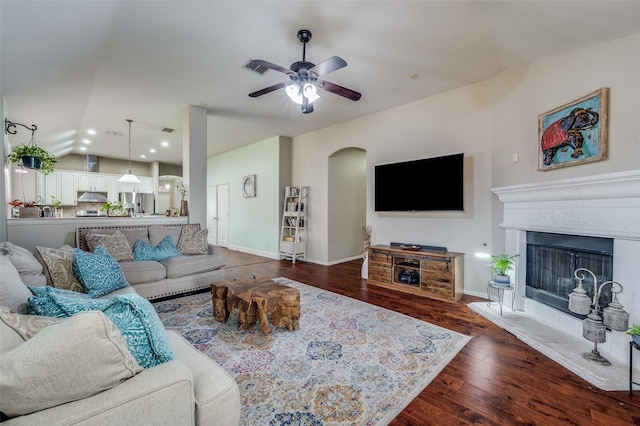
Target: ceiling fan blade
{"type": "Point", "coordinates": [339, 90]}
{"type": "Point", "coordinates": [267, 90]}
{"type": "Point", "coordinates": [272, 66]}
{"type": "Point", "coordinates": [332, 64]}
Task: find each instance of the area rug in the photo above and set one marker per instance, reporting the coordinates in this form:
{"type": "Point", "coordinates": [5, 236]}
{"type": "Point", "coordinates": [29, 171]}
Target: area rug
{"type": "Point", "coordinates": [349, 363]}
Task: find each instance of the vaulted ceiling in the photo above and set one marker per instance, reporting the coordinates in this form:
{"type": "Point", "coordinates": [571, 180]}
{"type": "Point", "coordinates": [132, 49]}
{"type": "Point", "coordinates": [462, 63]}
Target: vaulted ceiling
{"type": "Point", "coordinates": [71, 66]}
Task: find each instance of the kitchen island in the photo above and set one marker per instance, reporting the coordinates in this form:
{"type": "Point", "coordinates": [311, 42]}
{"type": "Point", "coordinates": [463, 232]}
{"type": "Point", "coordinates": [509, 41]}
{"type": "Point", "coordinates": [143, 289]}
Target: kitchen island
{"type": "Point", "coordinates": [54, 232]}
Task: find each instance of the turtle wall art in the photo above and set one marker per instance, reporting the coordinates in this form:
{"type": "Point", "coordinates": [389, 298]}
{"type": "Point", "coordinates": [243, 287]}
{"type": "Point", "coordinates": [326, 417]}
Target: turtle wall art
{"type": "Point", "coordinates": [574, 133]}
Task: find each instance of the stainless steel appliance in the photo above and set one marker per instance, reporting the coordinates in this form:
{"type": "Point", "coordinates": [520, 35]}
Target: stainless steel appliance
{"type": "Point", "coordinates": [138, 203]}
{"type": "Point", "coordinates": [90, 213]}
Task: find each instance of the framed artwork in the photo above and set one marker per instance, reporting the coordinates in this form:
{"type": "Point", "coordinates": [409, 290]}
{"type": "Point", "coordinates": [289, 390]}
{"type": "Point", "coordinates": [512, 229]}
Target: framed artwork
{"type": "Point", "coordinates": [574, 133]}
{"type": "Point", "coordinates": [249, 186]}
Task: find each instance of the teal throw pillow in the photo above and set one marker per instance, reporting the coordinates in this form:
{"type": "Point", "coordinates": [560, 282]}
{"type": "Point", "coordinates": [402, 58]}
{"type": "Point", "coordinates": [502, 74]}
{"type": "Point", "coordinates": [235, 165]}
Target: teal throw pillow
{"type": "Point", "coordinates": [98, 272]}
{"type": "Point", "coordinates": [164, 250]}
{"type": "Point", "coordinates": [134, 316]}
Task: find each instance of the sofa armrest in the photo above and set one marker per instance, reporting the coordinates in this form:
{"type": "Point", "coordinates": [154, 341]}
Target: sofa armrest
{"type": "Point", "coordinates": [159, 395]}
{"type": "Point", "coordinates": [213, 249]}
{"type": "Point", "coordinates": [216, 392]}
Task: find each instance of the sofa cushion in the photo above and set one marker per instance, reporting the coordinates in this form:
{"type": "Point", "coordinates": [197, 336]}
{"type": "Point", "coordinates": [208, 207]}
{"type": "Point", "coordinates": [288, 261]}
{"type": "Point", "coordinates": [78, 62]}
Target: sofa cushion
{"type": "Point", "coordinates": [48, 369]}
{"type": "Point", "coordinates": [189, 265]}
{"type": "Point", "coordinates": [9, 338]}
{"type": "Point", "coordinates": [28, 267]}
{"type": "Point", "coordinates": [132, 314]}
{"type": "Point", "coordinates": [163, 250]}
{"type": "Point", "coordinates": [158, 233]}
{"type": "Point", "coordinates": [59, 266]}
{"type": "Point", "coordinates": [13, 293]}
{"type": "Point", "coordinates": [98, 272]}
{"type": "Point", "coordinates": [116, 245]}
{"type": "Point", "coordinates": [133, 235]}
{"type": "Point", "coordinates": [193, 242]}
{"type": "Point", "coordinates": [144, 271]}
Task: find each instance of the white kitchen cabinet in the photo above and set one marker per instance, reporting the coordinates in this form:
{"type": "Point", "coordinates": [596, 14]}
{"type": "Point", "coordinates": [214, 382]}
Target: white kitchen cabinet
{"type": "Point", "coordinates": [23, 185]}
{"type": "Point", "coordinates": [113, 188]}
{"type": "Point", "coordinates": [95, 182]}
{"type": "Point", "coordinates": [62, 184]}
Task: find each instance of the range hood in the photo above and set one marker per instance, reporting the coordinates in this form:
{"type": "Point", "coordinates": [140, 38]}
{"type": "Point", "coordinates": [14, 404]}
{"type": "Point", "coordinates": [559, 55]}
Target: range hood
{"type": "Point", "coordinates": [92, 197]}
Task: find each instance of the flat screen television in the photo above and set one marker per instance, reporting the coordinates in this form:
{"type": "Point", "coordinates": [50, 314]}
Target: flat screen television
{"type": "Point", "coordinates": [429, 184]}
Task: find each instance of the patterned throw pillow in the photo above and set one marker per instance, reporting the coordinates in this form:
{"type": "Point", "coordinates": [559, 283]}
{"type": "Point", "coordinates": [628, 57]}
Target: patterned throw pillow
{"type": "Point", "coordinates": [132, 314]}
{"type": "Point", "coordinates": [26, 325]}
{"type": "Point", "coordinates": [116, 245]}
{"type": "Point", "coordinates": [59, 264]}
{"type": "Point", "coordinates": [164, 250]}
{"type": "Point", "coordinates": [193, 242]}
{"type": "Point", "coordinates": [98, 272]}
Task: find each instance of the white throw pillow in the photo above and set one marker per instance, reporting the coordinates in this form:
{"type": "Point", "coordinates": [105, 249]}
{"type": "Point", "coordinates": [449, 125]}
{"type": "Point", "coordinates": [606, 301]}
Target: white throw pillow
{"type": "Point", "coordinates": [77, 358]}
{"type": "Point", "coordinates": [13, 293]}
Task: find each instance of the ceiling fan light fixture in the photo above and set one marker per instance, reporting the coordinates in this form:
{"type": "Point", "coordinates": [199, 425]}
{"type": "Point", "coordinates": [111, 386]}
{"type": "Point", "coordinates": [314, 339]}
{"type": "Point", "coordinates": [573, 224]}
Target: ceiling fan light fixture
{"type": "Point", "coordinates": [296, 92]}
{"type": "Point", "coordinates": [129, 177]}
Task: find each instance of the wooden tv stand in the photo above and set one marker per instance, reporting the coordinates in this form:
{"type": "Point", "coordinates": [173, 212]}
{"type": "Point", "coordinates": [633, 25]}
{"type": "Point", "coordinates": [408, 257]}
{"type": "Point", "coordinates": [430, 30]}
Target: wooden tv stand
{"type": "Point", "coordinates": [435, 274]}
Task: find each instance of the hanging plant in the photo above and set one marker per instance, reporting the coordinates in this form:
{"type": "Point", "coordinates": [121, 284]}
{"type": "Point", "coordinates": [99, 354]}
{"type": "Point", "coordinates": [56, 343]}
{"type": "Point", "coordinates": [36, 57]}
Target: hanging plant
{"type": "Point", "coordinates": [46, 159]}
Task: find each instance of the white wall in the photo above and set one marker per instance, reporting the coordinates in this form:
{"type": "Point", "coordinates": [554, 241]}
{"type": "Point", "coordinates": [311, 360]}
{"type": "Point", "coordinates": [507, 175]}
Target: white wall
{"type": "Point", "coordinates": [457, 121]}
{"type": "Point", "coordinates": [254, 223]}
{"type": "Point", "coordinates": [521, 93]}
{"type": "Point", "coordinates": [489, 122]}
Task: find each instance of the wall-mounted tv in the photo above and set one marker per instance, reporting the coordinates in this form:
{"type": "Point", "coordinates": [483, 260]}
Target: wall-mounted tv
{"type": "Point", "coordinates": [429, 184]}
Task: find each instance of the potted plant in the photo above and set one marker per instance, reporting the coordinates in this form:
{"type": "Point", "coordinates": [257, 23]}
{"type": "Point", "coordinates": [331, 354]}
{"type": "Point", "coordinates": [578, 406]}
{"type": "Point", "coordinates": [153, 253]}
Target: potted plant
{"type": "Point", "coordinates": [57, 206]}
{"type": "Point", "coordinates": [114, 208]}
{"type": "Point", "coordinates": [500, 265]}
{"type": "Point", "coordinates": [32, 156]}
{"type": "Point", "coordinates": [634, 332]}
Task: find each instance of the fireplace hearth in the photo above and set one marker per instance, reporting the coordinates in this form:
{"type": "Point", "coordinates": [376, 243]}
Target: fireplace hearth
{"type": "Point", "coordinates": [552, 260]}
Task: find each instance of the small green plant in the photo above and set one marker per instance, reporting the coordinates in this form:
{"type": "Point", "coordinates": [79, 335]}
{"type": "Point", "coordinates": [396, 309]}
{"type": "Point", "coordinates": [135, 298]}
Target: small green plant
{"type": "Point", "coordinates": [634, 330]}
{"type": "Point", "coordinates": [47, 160]}
{"type": "Point", "coordinates": [113, 208]}
{"type": "Point", "coordinates": [56, 202]}
{"type": "Point", "coordinates": [502, 264]}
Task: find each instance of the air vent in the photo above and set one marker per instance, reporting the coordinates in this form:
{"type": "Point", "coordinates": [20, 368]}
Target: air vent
{"type": "Point", "coordinates": [255, 67]}
{"type": "Point", "coordinates": [168, 130]}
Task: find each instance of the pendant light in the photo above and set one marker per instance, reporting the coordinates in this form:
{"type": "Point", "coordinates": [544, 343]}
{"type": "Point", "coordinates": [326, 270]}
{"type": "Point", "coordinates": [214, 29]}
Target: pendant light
{"type": "Point", "coordinates": [129, 177]}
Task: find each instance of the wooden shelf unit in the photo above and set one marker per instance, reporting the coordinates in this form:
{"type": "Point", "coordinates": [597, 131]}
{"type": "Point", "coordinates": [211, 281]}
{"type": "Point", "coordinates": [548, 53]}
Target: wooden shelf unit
{"type": "Point", "coordinates": [435, 274]}
{"type": "Point", "coordinates": [293, 238]}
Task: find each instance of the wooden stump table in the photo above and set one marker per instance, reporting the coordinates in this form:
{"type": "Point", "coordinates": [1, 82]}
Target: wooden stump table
{"type": "Point", "coordinates": [255, 300]}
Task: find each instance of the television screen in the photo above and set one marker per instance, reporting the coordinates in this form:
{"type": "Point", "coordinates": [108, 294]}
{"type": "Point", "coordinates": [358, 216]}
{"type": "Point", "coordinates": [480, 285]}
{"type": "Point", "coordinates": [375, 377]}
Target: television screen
{"type": "Point", "coordinates": [429, 184]}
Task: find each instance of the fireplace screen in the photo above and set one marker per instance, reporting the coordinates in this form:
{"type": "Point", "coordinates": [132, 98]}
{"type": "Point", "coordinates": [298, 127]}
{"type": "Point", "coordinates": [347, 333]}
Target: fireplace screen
{"type": "Point", "coordinates": [552, 259]}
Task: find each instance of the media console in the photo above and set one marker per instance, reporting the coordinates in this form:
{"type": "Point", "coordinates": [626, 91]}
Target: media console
{"type": "Point", "coordinates": [435, 274]}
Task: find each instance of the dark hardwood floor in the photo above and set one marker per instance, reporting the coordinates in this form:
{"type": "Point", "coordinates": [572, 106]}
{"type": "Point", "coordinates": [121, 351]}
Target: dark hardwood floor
{"type": "Point", "coordinates": [495, 380]}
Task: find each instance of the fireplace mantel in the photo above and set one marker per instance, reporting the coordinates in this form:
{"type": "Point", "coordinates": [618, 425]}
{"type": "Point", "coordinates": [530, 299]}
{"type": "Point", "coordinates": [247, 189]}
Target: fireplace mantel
{"type": "Point", "coordinates": [605, 205]}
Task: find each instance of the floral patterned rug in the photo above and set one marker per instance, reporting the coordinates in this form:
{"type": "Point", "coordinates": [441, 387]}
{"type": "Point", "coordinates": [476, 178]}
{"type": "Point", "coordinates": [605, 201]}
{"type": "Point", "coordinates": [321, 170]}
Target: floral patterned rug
{"type": "Point", "coordinates": [350, 363]}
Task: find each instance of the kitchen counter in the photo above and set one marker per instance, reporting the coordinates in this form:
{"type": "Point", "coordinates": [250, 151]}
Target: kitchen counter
{"type": "Point", "coordinates": [54, 232]}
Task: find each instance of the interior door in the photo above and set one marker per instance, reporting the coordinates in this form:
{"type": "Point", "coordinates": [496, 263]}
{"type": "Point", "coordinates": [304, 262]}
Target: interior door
{"type": "Point", "coordinates": [218, 214]}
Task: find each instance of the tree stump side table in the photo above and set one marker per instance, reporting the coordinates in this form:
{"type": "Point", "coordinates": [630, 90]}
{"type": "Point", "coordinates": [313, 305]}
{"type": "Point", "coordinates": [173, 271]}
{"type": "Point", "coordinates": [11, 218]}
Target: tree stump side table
{"type": "Point", "coordinates": [254, 301]}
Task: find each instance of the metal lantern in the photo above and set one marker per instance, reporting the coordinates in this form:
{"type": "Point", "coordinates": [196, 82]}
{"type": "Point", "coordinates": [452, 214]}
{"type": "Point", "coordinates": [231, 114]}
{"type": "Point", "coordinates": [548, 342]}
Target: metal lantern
{"type": "Point", "coordinates": [579, 302]}
{"type": "Point", "coordinates": [593, 329]}
{"type": "Point", "coordinates": [615, 317]}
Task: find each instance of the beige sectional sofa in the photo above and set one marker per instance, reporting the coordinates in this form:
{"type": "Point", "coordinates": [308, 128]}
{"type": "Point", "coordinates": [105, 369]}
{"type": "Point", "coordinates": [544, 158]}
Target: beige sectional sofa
{"type": "Point", "coordinates": [191, 389]}
{"type": "Point", "coordinates": [152, 279]}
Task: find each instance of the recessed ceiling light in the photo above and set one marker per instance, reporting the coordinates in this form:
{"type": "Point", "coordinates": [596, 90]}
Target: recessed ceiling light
{"type": "Point", "coordinates": [83, 148]}
{"type": "Point", "coordinates": [164, 143]}
{"type": "Point", "coordinates": [413, 75]}
{"type": "Point", "coordinates": [152, 150]}
{"type": "Point", "coordinates": [86, 141]}
{"type": "Point", "coordinates": [143, 156]}
{"type": "Point", "coordinates": [91, 132]}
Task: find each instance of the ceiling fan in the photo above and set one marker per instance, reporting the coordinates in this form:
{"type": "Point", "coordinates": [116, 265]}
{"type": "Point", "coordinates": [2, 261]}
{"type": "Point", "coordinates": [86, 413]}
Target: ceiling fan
{"type": "Point", "coordinates": [304, 82]}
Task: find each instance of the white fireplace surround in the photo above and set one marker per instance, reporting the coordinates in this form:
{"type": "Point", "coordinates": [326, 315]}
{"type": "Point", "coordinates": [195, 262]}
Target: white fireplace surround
{"type": "Point", "coordinates": [605, 205]}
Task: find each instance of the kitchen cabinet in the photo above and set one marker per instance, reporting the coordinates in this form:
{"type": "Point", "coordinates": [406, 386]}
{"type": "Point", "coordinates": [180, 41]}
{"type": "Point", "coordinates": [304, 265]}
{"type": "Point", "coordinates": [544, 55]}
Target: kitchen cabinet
{"type": "Point", "coordinates": [23, 185]}
{"type": "Point", "coordinates": [95, 182]}
{"type": "Point", "coordinates": [61, 184]}
{"type": "Point", "coordinates": [113, 187]}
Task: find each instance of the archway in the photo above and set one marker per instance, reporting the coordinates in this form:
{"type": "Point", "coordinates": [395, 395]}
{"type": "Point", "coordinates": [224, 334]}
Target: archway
{"type": "Point", "coordinates": [346, 199]}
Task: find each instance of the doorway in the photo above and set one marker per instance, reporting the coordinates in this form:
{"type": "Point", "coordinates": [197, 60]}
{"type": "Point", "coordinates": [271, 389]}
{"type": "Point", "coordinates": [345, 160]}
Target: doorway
{"type": "Point", "coordinates": [218, 214]}
{"type": "Point", "coordinates": [347, 210]}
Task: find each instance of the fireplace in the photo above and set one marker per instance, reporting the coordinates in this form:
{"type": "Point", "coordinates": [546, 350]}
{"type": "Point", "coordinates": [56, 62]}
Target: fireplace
{"type": "Point", "coordinates": [552, 260]}
{"type": "Point", "coordinates": [605, 210]}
